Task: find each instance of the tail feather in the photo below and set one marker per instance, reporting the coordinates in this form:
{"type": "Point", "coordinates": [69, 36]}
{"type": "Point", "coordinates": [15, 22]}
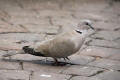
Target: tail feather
{"type": "Point", "coordinates": [32, 51]}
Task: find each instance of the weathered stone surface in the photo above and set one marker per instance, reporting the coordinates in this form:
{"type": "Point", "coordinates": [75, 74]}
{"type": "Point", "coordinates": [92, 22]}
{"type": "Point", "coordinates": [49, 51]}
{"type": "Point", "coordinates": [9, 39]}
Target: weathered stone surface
{"type": "Point", "coordinates": [94, 16]}
{"type": "Point", "coordinates": [99, 51]}
{"type": "Point", "coordinates": [23, 37]}
{"type": "Point", "coordinates": [106, 35]}
{"type": "Point", "coordinates": [65, 22]}
{"type": "Point", "coordinates": [83, 78]}
{"type": "Point", "coordinates": [39, 75]}
{"type": "Point", "coordinates": [28, 20]}
{"type": "Point", "coordinates": [20, 13]}
{"type": "Point", "coordinates": [42, 29]}
{"type": "Point", "coordinates": [6, 28]}
{"type": "Point", "coordinates": [82, 70]}
{"type": "Point", "coordinates": [42, 65]}
{"type": "Point", "coordinates": [2, 53]}
{"type": "Point", "coordinates": [84, 5]}
{"type": "Point", "coordinates": [15, 41]}
{"type": "Point", "coordinates": [55, 13]}
{"type": "Point", "coordinates": [80, 59]}
{"type": "Point", "coordinates": [106, 25]}
{"type": "Point", "coordinates": [39, 5]}
{"type": "Point", "coordinates": [109, 75]}
{"type": "Point", "coordinates": [9, 45]}
{"type": "Point", "coordinates": [26, 57]}
{"type": "Point", "coordinates": [6, 64]}
{"type": "Point", "coordinates": [14, 75]}
{"type": "Point", "coordinates": [104, 43]}
{"type": "Point", "coordinates": [106, 63]}
{"type": "Point", "coordinates": [116, 56]}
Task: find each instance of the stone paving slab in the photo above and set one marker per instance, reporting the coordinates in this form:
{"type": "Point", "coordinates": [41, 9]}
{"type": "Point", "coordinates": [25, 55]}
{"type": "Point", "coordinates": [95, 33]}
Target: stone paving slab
{"type": "Point", "coordinates": [106, 63]}
{"type": "Point", "coordinates": [104, 43]}
{"type": "Point", "coordinates": [14, 75]}
{"type": "Point", "coordinates": [48, 76]}
{"type": "Point", "coordinates": [84, 78]}
{"type": "Point", "coordinates": [4, 64]}
{"type": "Point", "coordinates": [106, 35]}
{"type": "Point", "coordinates": [41, 65]}
{"type": "Point", "coordinates": [99, 51]}
{"type": "Point", "coordinates": [80, 59]}
{"type": "Point", "coordinates": [7, 28]}
{"type": "Point", "coordinates": [2, 53]}
{"type": "Point", "coordinates": [109, 75]}
{"type": "Point", "coordinates": [82, 70]}
{"type": "Point", "coordinates": [115, 57]}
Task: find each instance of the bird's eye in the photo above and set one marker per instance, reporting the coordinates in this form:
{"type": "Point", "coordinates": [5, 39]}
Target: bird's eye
{"type": "Point", "coordinates": [86, 23]}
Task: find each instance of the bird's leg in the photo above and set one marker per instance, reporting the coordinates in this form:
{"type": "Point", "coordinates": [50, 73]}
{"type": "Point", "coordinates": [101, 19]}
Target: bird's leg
{"type": "Point", "coordinates": [64, 59]}
{"type": "Point", "coordinates": [56, 61]}
{"type": "Point", "coordinates": [67, 58]}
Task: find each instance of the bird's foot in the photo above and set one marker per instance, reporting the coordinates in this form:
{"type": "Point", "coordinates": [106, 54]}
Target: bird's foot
{"type": "Point", "coordinates": [59, 63]}
{"type": "Point", "coordinates": [66, 58]}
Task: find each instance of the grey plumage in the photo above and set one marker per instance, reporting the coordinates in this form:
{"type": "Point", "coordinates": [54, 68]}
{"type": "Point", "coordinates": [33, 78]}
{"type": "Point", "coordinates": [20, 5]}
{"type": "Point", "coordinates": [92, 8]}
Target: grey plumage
{"type": "Point", "coordinates": [63, 45]}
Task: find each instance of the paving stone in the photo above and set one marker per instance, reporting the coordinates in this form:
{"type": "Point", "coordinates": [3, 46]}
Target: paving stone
{"type": "Point", "coordinates": [93, 16]}
{"type": "Point", "coordinates": [84, 5]}
{"type": "Point", "coordinates": [6, 28]}
{"type": "Point", "coordinates": [42, 65]}
{"type": "Point", "coordinates": [2, 22]}
{"type": "Point", "coordinates": [42, 29]}
{"type": "Point", "coordinates": [15, 41]}
{"type": "Point", "coordinates": [9, 45]}
{"type": "Point", "coordinates": [117, 40]}
{"type": "Point", "coordinates": [23, 37]}
{"type": "Point", "coordinates": [54, 13]}
{"type": "Point", "coordinates": [115, 57]}
{"type": "Point", "coordinates": [104, 43]}
{"type": "Point", "coordinates": [109, 75]}
{"type": "Point", "coordinates": [9, 5]}
{"type": "Point", "coordinates": [28, 20]}
{"type": "Point", "coordinates": [83, 78]}
{"type": "Point", "coordinates": [106, 63]}
{"type": "Point", "coordinates": [7, 64]}
{"type": "Point", "coordinates": [26, 57]}
{"type": "Point", "coordinates": [24, 14]}
{"type": "Point", "coordinates": [3, 15]}
{"type": "Point", "coordinates": [106, 25]}
{"type": "Point", "coordinates": [82, 70]}
{"type": "Point", "coordinates": [80, 59]}
{"type": "Point", "coordinates": [106, 35]}
{"type": "Point", "coordinates": [14, 75]}
{"type": "Point", "coordinates": [49, 76]}
{"type": "Point", "coordinates": [2, 53]}
{"type": "Point", "coordinates": [65, 22]}
{"type": "Point", "coordinates": [39, 5]}
{"type": "Point", "coordinates": [99, 51]}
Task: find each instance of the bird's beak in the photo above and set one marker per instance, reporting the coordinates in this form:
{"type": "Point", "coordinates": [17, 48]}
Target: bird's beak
{"type": "Point", "coordinates": [91, 27]}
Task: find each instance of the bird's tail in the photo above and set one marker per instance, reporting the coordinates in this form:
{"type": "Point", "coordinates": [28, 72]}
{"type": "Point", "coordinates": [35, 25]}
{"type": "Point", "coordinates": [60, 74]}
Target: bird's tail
{"type": "Point", "coordinates": [31, 51]}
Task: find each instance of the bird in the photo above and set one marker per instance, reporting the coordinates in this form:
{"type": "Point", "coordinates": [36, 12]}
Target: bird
{"type": "Point", "coordinates": [61, 46]}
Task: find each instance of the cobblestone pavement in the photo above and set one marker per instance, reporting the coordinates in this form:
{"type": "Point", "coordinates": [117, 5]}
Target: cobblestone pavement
{"type": "Point", "coordinates": [24, 22]}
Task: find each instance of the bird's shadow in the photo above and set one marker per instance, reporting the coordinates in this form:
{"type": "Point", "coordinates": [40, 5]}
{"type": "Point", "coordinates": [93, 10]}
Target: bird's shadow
{"type": "Point", "coordinates": [41, 62]}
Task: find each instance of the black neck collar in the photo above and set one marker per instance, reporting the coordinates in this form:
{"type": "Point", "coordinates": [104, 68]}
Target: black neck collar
{"type": "Point", "coordinates": [78, 31]}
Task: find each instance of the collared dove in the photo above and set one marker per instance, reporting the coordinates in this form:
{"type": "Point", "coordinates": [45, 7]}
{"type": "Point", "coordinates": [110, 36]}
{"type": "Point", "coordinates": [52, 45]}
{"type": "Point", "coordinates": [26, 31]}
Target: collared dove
{"type": "Point", "coordinates": [62, 46]}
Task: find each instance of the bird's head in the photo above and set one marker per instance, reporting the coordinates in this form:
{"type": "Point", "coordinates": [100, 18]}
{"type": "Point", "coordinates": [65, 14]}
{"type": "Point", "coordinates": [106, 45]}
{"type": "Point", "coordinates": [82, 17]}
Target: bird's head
{"type": "Point", "coordinates": [85, 25]}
